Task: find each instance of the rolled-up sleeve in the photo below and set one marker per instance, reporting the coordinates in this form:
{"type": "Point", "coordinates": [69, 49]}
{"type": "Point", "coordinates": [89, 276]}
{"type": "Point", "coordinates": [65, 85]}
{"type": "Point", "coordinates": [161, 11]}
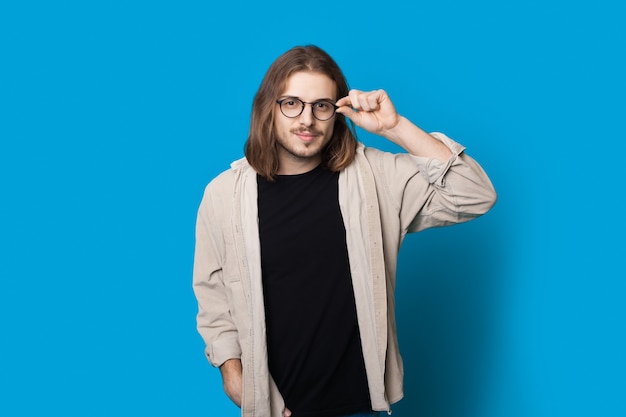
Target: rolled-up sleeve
{"type": "Point", "coordinates": [437, 193]}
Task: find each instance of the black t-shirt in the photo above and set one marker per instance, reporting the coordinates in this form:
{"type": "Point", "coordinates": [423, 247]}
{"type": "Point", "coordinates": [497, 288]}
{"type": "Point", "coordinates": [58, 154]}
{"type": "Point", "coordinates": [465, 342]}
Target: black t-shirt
{"type": "Point", "coordinates": [314, 346]}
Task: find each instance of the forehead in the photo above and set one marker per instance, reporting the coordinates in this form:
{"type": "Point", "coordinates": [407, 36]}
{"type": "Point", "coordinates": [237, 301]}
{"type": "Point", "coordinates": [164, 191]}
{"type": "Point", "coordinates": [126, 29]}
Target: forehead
{"type": "Point", "coordinates": [310, 86]}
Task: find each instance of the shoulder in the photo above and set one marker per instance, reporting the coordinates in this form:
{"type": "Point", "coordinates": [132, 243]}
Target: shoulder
{"type": "Point", "coordinates": [225, 181]}
{"type": "Point", "coordinates": [219, 193]}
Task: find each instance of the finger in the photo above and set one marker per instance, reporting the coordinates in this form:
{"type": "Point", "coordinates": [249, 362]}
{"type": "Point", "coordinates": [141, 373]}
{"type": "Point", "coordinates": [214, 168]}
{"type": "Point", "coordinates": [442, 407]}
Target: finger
{"type": "Point", "coordinates": [344, 101]}
{"type": "Point", "coordinates": [355, 99]}
{"type": "Point", "coordinates": [286, 412]}
{"type": "Point", "coordinates": [364, 102]}
{"type": "Point", "coordinates": [369, 101]}
{"type": "Point", "coordinates": [348, 112]}
{"type": "Point", "coordinates": [375, 98]}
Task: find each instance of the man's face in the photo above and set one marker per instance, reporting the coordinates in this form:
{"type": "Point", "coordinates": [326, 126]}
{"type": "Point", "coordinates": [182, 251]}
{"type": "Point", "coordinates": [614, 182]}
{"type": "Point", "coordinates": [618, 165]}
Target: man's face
{"type": "Point", "coordinates": [301, 139]}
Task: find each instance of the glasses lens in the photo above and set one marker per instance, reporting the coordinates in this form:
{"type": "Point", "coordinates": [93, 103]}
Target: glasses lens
{"type": "Point", "coordinates": [323, 110]}
{"type": "Point", "coordinates": [291, 107]}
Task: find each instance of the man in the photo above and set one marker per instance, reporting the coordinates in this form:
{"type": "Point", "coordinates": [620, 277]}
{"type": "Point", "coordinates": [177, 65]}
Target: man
{"type": "Point", "coordinates": [297, 243]}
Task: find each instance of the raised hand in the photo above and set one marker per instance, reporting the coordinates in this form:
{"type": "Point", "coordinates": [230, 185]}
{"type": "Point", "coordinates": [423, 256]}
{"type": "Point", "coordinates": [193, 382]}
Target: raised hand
{"type": "Point", "coordinates": [372, 111]}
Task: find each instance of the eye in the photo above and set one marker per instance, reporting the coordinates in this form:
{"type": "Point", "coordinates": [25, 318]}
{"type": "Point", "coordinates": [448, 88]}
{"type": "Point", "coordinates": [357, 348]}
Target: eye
{"type": "Point", "coordinates": [323, 105]}
{"type": "Point", "coordinates": [291, 103]}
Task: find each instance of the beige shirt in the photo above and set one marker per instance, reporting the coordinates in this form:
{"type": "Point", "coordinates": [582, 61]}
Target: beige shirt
{"type": "Point", "coordinates": [382, 197]}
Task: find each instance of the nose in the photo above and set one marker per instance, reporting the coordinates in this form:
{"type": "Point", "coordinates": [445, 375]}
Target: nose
{"type": "Point", "coordinates": [306, 117]}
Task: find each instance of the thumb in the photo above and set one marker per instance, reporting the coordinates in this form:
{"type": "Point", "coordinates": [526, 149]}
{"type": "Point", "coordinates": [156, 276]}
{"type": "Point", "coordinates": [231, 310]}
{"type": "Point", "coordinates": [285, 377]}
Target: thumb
{"type": "Point", "coordinates": [286, 412]}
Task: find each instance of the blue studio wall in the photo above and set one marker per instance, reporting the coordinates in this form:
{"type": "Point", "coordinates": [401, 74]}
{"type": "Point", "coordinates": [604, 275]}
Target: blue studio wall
{"type": "Point", "coordinates": [115, 115]}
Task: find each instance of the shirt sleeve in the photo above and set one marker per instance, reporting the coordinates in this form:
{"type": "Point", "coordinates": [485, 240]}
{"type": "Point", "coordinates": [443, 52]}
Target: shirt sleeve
{"type": "Point", "coordinates": [433, 169]}
{"type": "Point", "coordinates": [432, 193]}
{"type": "Point", "coordinates": [214, 321]}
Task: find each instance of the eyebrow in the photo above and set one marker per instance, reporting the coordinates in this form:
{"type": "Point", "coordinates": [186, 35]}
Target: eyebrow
{"type": "Point", "coordinates": [314, 101]}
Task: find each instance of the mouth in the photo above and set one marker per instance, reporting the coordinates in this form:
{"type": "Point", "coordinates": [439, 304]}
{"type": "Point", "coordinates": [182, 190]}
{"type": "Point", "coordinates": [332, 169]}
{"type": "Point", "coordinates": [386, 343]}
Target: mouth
{"type": "Point", "coordinates": [306, 136]}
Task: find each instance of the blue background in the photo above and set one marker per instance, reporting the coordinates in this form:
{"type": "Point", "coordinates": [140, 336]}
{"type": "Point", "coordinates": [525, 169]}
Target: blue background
{"type": "Point", "coordinates": [115, 115]}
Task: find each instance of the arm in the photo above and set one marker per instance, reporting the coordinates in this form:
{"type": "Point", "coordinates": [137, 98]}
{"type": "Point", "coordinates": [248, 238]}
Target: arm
{"type": "Point", "coordinates": [232, 380]}
{"type": "Point", "coordinates": [214, 321]}
{"type": "Point", "coordinates": [432, 193]}
{"type": "Point", "coordinates": [450, 188]}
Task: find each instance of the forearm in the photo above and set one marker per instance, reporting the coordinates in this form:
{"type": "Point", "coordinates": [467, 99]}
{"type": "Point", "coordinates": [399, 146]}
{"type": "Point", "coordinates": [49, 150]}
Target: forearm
{"type": "Point", "coordinates": [232, 378]}
{"type": "Point", "coordinates": [416, 141]}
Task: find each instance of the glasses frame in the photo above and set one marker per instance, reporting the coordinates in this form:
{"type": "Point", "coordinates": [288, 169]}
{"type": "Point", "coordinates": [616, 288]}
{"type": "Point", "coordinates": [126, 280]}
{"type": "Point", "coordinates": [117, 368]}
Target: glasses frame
{"type": "Point", "coordinates": [304, 103]}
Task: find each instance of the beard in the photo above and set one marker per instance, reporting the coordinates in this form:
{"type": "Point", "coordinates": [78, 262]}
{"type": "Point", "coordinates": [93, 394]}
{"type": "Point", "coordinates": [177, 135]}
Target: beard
{"type": "Point", "coordinates": [295, 149]}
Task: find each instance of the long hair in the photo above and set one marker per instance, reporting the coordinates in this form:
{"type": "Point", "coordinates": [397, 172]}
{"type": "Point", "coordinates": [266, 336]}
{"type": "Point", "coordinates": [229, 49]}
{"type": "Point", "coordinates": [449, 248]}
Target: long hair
{"type": "Point", "coordinates": [261, 148]}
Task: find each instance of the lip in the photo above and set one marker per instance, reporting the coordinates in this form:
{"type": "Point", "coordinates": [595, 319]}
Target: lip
{"type": "Point", "coordinates": [306, 137]}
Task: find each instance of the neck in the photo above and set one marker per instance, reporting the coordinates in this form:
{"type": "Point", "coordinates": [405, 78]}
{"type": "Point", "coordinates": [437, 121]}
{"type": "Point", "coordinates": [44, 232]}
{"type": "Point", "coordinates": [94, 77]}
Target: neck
{"type": "Point", "coordinates": [290, 164]}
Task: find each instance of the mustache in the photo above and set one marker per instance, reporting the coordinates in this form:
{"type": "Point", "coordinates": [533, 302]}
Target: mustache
{"type": "Point", "coordinates": [307, 131]}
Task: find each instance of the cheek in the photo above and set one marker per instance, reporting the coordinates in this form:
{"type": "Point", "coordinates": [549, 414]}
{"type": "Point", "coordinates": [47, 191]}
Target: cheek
{"type": "Point", "coordinates": [330, 130]}
{"type": "Point", "coordinates": [281, 125]}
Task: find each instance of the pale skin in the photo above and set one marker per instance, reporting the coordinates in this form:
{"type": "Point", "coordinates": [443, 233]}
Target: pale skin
{"type": "Point", "coordinates": [302, 139]}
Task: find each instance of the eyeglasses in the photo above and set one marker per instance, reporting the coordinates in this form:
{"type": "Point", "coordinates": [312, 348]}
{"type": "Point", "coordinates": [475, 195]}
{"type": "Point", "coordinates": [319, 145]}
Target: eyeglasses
{"type": "Point", "coordinates": [293, 107]}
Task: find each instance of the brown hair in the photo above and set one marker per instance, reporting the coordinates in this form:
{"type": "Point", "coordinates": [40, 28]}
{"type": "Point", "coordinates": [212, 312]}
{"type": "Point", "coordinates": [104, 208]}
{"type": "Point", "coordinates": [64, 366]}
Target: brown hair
{"type": "Point", "coordinates": [261, 148]}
